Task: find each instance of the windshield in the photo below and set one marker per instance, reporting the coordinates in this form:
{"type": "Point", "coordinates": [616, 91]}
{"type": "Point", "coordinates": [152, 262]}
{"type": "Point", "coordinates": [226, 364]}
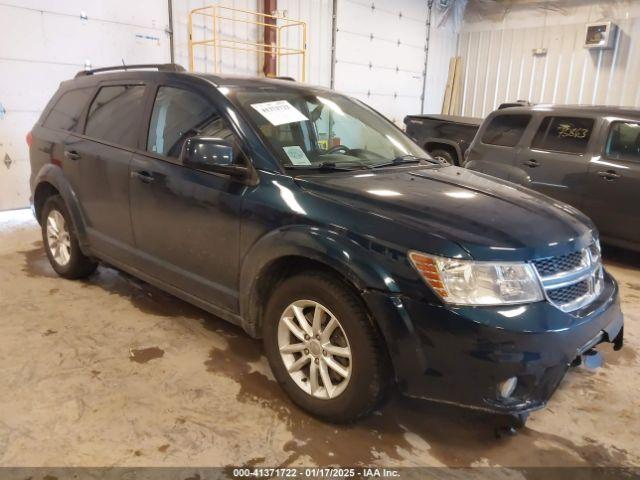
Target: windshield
{"type": "Point", "coordinates": [319, 129]}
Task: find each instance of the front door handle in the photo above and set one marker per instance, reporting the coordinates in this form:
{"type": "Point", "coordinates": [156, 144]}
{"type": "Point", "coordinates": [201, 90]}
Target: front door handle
{"type": "Point", "coordinates": [72, 155]}
{"type": "Point", "coordinates": [531, 163]}
{"type": "Point", "coordinates": [143, 176]}
{"type": "Point", "coordinates": [608, 175]}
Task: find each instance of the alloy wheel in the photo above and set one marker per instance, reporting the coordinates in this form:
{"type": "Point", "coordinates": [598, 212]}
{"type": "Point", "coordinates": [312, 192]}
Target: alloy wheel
{"type": "Point", "coordinates": [58, 238]}
{"type": "Point", "coordinates": [314, 349]}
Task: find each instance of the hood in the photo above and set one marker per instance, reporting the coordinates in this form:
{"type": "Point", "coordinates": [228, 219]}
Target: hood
{"type": "Point", "coordinates": [489, 218]}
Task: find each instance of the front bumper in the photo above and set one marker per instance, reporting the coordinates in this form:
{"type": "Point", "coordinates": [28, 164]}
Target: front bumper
{"type": "Point", "coordinates": [461, 354]}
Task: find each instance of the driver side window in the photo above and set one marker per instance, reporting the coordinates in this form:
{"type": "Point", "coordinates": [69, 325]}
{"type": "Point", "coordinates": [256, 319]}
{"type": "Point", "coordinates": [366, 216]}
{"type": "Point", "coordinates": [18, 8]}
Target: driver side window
{"type": "Point", "coordinates": [179, 114]}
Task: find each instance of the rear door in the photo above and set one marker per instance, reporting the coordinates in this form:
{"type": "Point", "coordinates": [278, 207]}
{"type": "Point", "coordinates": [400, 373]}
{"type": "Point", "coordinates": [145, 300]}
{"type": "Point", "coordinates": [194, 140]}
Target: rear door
{"type": "Point", "coordinates": [186, 222]}
{"type": "Point", "coordinates": [102, 156]}
{"type": "Point", "coordinates": [613, 199]}
{"type": "Point", "coordinates": [494, 149]}
{"type": "Point", "coordinates": [555, 159]}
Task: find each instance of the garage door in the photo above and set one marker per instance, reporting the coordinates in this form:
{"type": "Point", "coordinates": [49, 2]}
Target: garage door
{"type": "Point", "coordinates": [380, 53]}
{"type": "Point", "coordinates": [56, 40]}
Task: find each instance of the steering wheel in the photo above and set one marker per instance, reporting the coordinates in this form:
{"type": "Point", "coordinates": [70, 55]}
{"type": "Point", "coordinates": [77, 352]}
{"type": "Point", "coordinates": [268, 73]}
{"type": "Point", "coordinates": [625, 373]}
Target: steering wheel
{"type": "Point", "coordinates": [338, 148]}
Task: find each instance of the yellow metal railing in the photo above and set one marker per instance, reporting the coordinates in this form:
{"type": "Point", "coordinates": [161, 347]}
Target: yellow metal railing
{"type": "Point", "coordinates": [220, 13]}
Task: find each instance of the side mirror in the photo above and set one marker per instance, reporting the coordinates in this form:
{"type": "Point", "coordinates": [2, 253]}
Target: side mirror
{"type": "Point", "coordinates": [211, 155]}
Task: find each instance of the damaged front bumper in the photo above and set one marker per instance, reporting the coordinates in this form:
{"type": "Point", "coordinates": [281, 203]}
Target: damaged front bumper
{"type": "Point", "coordinates": [502, 359]}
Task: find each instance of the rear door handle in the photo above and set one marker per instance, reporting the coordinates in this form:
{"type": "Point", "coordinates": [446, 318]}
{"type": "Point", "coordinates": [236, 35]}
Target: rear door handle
{"type": "Point", "coordinates": [608, 175]}
{"type": "Point", "coordinates": [531, 163]}
{"type": "Point", "coordinates": [143, 176]}
{"type": "Point", "coordinates": [72, 155]}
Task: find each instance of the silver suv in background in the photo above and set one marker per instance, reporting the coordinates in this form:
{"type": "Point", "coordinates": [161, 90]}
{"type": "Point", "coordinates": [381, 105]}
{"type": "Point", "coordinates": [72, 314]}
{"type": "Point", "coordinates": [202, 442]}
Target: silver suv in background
{"type": "Point", "coordinates": [588, 157]}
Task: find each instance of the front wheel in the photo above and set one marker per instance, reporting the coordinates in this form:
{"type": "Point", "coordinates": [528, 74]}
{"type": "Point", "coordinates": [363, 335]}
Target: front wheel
{"type": "Point", "coordinates": [323, 349]}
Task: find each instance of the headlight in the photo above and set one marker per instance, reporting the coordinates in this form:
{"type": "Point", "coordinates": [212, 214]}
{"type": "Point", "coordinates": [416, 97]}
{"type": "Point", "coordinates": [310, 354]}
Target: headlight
{"type": "Point", "coordinates": [466, 282]}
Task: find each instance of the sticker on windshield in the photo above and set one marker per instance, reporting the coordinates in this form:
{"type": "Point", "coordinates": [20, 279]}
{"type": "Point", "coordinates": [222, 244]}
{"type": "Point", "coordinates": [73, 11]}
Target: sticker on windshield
{"type": "Point", "coordinates": [279, 112]}
{"type": "Point", "coordinates": [296, 155]}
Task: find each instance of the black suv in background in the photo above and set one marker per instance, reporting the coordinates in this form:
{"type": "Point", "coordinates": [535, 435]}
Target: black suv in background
{"type": "Point", "coordinates": [313, 222]}
{"type": "Point", "coordinates": [588, 157]}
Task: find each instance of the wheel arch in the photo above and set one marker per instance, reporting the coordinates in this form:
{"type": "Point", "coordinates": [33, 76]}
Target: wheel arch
{"type": "Point", "coordinates": [280, 254]}
{"type": "Point", "coordinates": [51, 181]}
{"type": "Point", "coordinates": [448, 145]}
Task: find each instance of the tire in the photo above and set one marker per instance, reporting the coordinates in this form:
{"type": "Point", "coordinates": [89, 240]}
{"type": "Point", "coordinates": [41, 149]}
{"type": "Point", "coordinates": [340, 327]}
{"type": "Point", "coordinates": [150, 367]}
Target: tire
{"type": "Point", "coordinates": [367, 367]}
{"type": "Point", "coordinates": [61, 243]}
{"type": "Point", "coordinates": [445, 155]}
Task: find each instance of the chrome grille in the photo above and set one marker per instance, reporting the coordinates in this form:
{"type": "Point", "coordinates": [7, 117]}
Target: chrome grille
{"type": "Point", "coordinates": [568, 294]}
{"type": "Point", "coordinates": [562, 263]}
{"type": "Point", "coordinates": [574, 280]}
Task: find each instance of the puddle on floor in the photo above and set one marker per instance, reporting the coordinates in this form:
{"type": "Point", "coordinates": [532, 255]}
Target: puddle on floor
{"type": "Point", "coordinates": [144, 355]}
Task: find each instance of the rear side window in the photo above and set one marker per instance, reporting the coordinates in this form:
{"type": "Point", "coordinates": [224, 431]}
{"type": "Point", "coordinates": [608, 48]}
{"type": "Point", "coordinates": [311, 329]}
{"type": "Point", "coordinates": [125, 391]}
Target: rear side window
{"type": "Point", "coordinates": [115, 113]}
{"type": "Point", "coordinates": [65, 114]}
{"type": "Point", "coordinates": [624, 141]}
{"type": "Point", "coordinates": [505, 130]}
{"type": "Point", "coordinates": [179, 114]}
{"type": "Point", "coordinates": [563, 134]}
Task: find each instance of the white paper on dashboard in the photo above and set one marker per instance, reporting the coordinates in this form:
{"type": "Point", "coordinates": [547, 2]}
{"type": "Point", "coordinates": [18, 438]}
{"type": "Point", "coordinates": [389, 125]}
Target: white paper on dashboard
{"type": "Point", "coordinates": [296, 155]}
{"type": "Point", "coordinates": [279, 112]}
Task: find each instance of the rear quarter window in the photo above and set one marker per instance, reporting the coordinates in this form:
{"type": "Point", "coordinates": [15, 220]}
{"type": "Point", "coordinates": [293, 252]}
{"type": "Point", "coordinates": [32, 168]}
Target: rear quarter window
{"type": "Point", "coordinates": [505, 130]}
{"type": "Point", "coordinates": [65, 114]}
{"type": "Point", "coordinates": [563, 134]}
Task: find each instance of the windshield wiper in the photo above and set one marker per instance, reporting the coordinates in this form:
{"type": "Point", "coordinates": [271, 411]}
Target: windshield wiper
{"type": "Point", "coordinates": [331, 166]}
{"type": "Point", "coordinates": [405, 159]}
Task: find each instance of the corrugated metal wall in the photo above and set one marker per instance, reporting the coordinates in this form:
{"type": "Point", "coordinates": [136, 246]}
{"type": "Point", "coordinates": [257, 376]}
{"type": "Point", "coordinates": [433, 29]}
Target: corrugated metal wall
{"type": "Point", "coordinates": [44, 42]}
{"type": "Point", "coordinates": [317, 14]}
{"type": "Point", "coordinates": [499, 64]}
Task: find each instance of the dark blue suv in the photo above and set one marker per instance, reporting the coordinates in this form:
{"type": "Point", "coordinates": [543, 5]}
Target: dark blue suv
{"type": "Point", "coordinates": [314, 223]}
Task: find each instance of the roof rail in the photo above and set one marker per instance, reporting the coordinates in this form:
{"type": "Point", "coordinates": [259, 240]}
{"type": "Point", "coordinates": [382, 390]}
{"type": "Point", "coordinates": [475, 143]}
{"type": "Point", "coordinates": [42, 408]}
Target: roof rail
{"type": "Point", "coordinates": [161, 67]}
{"type": "Point", "coordinates": [290, 79]}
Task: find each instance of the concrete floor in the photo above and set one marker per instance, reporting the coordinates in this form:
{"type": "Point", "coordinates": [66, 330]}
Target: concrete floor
{"type": "Point", "coordinates": [110, 371]}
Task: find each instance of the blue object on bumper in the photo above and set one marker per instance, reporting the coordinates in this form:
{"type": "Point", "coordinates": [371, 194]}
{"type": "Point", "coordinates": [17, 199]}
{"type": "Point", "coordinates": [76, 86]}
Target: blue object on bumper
{"type": "Point", "coordinates": [461, 354]}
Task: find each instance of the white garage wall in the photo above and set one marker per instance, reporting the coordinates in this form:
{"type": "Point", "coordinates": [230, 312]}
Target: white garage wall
{"type": "Point", "coordinates": [443, 44]}
{"type": "Point", "coordinates": [380, 52]}
{"type": "Point", "coordinates": [316, 13]}
{"type": "Point", "coordinates": [228, 61]}
{"type": "Point", "coordinates": [496, 47]}
{"type": "Point", "coordinates": [43, 43]}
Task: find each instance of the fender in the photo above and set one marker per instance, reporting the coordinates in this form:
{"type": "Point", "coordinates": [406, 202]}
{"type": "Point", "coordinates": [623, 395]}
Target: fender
{"type": "Point", "coordinates": [53, 175]}
{"type": "Point", "coordinates": [326, 246]}
{"type": "Point", "coordinates": [519, 176]}
{"type": "Point", "coordinates": [500, 170]}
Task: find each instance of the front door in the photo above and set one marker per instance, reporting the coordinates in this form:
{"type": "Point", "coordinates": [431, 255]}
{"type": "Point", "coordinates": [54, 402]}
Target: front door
{"type": "Point", "coordinates": [186, 222]}
{"type": "Point", "coordinates": [614, 184]}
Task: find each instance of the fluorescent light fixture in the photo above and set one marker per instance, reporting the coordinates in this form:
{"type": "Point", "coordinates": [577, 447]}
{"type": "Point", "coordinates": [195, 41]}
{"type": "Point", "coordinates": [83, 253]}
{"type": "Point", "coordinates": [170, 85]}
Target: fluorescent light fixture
{"type": "Point", "coordinates": [384, 193]}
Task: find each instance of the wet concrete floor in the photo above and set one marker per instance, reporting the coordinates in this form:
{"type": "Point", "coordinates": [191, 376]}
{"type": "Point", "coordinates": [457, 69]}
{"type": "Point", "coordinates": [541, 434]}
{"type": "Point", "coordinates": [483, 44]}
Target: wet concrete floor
{"type": "Point", "coordinates": [111, 371]}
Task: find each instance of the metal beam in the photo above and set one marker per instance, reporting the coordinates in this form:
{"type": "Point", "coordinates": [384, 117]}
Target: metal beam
{"type": "Point", "coordinates": [270, 65]}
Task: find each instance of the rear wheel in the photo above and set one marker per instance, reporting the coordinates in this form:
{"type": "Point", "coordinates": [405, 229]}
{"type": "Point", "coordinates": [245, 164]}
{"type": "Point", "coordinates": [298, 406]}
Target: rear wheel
{"type": "Point", "coordinates": [61, 243]}
{"type": "Point", "coordinates": [323, 349]}
{"type": "Point", "coordinates": [443, 155]}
